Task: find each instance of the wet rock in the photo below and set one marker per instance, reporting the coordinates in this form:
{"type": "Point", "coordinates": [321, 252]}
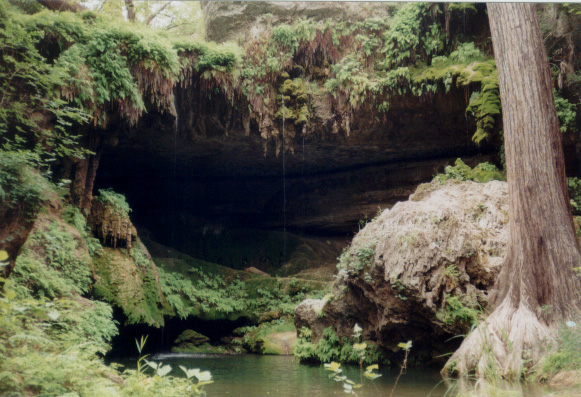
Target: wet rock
{"type": "Point", "coordinates": [191, 337]}
{"type": "Point", "coordinates": [410, 273]}
{"type": "Point", "coordinates": [269, 316]}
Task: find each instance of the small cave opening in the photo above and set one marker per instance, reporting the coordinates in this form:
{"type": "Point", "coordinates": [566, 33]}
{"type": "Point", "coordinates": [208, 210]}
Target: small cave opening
{"type": "Point", "coordinates": [160, 340]}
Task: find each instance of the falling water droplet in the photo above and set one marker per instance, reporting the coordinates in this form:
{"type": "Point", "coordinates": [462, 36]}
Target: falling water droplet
{"type": "Point", "coordinates": [283, 184]}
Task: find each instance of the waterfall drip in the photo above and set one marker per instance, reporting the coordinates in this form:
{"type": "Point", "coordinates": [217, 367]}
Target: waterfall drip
{"type": "Point", "coordinates": [174, 168]}
{"type": "Point", "coordinates": [283, 183]}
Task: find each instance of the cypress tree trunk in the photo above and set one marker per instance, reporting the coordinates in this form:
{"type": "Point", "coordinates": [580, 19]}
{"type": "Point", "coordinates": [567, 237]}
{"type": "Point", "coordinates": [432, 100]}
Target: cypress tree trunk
{"type": "Point", "coordinates": [537, 289]}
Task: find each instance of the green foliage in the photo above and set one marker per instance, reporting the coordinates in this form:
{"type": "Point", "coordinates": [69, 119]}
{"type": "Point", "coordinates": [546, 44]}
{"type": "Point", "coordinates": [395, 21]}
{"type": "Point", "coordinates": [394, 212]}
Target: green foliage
{"type": "Point", "coordinates": [210, 296]}
{"type": "Point", "coordinates": [354, 261]}
{"type": "Point", "coordinates": [115, 201]}
{"type": "Point", "coordinates": [51, 263]}
{"type": "Point", "coordinates": [49, 347]}
{"type": "Point", "coordinates": [130, 283]}
{"type": "Point", "coordinates": [210, 56]}
{"type": "Point", "coordinates": [21, 186]}
{"type": "Point", "coordinates": [331, 348]}
{"type": "Point", "coordinates": [30, 90]}
{"type": "Point", "coordinates": [566, 112]}
{"type": "Point", "coordinates": [574, 187]}
{"type": "Point", "coordinates": [296, 102]}
{"type": "Point", "coordinates": [403, 39]}
{"type": "Point", "coordinates": [73, 216]}
{"type": "Point", "coordinates": [458, 312]}
{"type": "Point", "coordinates": [52, 347]}
{"type": "Point", "coordinates": [61, 71]}
{"type": "Point", "coordinates": [482, 173]}
{"type": "Point", "coordinates": [563, 355]}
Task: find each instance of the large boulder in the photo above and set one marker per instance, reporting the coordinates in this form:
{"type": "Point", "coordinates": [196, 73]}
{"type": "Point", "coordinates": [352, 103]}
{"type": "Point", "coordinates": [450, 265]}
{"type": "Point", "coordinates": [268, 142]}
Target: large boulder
{"type": "Point", "coordinates": [420, 271]}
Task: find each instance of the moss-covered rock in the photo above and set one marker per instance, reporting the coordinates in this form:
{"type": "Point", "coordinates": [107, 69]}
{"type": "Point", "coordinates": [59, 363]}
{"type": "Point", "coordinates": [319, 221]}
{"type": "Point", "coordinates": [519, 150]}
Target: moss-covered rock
{"type": "Point", "coordinates": [132, 284]}
{"type": "Point", "coordinates": [190, 341]}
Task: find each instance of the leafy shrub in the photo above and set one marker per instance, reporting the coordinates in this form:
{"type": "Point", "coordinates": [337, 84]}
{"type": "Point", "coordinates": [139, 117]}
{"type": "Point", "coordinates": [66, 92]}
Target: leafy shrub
{"type": "Point", "coordinates": [52, 265]}
{"type": "Point", "coordinates": [331, 348]}
{"type": "Point", "coordinates": [21, 186]}
{"type": "Point", "coordinates": [52, 347]}
{"type": "Point", "coordinates": [458, 312]}
{"type": "Point", "coordinates": [483, 172]}
{"type": "Point", "coordinates": [566, 112]}
{"type": "Point", "coordinates": [73, 216]}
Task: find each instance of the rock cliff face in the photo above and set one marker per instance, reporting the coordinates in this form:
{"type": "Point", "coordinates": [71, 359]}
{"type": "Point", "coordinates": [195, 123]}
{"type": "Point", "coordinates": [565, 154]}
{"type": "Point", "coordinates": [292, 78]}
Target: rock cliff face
{"type": "Point", "coordinates": [221, 165]}
{"type": "Point", "coordinates": [420, 271]}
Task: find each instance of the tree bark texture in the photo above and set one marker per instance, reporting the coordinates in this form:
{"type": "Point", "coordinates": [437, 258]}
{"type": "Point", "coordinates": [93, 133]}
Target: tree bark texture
{"type": "Point", "coordinates": [537, 288]}
{"type": "Point", "coordinates": [130, 10]}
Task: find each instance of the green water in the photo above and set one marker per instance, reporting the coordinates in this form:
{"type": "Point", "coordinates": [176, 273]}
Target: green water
{"type": "Point", "coordinates": [266, 376]}
{"type": "Point", "coordinates": [254, 375]}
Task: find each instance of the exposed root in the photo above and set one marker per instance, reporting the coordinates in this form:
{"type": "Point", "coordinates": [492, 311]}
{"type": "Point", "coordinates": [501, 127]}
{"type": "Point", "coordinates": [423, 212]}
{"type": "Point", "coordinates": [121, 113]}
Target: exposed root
{"type": "Point", "coordinates": [508, 341]}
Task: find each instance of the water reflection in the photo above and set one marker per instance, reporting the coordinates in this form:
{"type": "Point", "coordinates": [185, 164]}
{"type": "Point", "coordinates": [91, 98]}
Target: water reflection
{"type": "Point", "coordinates": [253, 375]}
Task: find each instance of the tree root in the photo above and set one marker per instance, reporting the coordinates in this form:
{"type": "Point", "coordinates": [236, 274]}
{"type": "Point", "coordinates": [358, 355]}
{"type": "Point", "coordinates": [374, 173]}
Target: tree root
{"type": "Point", "coordinates": [508, 341]}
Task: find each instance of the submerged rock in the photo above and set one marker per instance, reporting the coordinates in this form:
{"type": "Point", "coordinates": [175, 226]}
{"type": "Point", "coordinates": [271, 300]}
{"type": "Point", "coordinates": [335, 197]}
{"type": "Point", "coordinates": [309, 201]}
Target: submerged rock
{"type": "Point", "coordinates": [420, 271]}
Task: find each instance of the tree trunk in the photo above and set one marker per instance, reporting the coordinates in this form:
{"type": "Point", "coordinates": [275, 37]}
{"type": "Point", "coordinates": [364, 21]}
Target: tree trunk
{"type": "Point", "coordinates": [537, 288]}
{"type": "Point", "coordinates": [63, 5]}
{"type": "Point", "coordinates": [130, 10]}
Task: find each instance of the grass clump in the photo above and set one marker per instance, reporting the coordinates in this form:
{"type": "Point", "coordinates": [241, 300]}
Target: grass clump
{"type": "Point", "coordinates": [563, 355]}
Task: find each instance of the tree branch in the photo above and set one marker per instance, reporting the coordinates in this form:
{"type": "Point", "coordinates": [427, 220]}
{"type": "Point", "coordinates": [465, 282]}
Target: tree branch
{"type": "Point", "coordinates": [155, 14]}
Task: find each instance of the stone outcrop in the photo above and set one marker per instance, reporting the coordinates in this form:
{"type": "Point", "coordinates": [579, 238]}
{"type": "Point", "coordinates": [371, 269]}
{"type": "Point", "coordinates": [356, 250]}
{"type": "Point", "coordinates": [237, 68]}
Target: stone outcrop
{"type": "Point", "coordinates": [420, 270]}
{"type": "Point", "coordinates": [114, 228]}
{"type": "Point", "coordinates": [247, 20]}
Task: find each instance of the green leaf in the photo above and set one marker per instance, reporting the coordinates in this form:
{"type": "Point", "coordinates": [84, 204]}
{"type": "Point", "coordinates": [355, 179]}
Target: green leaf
{"type": "Point", "coordinates": [3, 255]}
{"type": "Point", "coordinates": [372, 367]}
